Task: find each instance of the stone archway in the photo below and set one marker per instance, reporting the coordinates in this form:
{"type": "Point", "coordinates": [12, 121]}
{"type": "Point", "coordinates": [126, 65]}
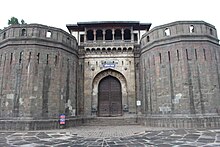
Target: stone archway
{"type": "Point", "coordinates": [95, 88]}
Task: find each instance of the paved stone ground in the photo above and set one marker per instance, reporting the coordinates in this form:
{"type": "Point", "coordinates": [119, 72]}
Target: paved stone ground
{"type": "Point", "coordinates": [112, 136]}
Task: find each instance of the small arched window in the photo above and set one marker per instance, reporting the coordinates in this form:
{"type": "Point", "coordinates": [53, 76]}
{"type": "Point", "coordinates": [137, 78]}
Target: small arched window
{"type": "Point", "coordinates": [148, 39]}
{"type": "Point", "coordinates": [48, 35]}
{"type": "Point", "coordinates": [99, 35]}
{"type": "Point", "coordinates": [129, 49]}
{"type": "Point", "coordinates": [90, 35]}
{"type": "Point", "coordinates": [211, 31]}
{"type": "Point", "coordinates": [191, 29]}
{"type": "Point", "coordinates": [127, 34]}
{"type": "Point", "coordinates": [118, 34]}
{"type": "Point", "coordinates": [87, 50]}
{"type": "Point", "coordinates": [167, 32]}
{"type": "Point", "coordinates": [93, 49]}
{"type": "Point", "coordinates": [23, 32]}
{"type": "Point", "coordinates": [114, 49]}
{"type": "Point", "coordinates": [108, 49]}
{"type": "Point", "coordinates": [108, 34]}
{"type": "Point", "coordinates": [124, 49]}
{"type": "Point", "coordinates": [4, 35]}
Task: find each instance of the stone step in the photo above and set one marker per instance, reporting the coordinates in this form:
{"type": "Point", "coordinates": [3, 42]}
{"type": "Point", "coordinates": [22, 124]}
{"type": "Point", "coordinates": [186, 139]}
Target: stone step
{"type": "Point", "coordinates": [110, 121]}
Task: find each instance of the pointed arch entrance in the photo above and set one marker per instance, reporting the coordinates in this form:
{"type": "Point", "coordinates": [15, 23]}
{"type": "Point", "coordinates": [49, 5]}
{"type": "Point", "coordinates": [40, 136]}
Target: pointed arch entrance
{"type": "Point", "coordinates": [115, 78]}
{"type": "Point", "coordinates": [109, 97]}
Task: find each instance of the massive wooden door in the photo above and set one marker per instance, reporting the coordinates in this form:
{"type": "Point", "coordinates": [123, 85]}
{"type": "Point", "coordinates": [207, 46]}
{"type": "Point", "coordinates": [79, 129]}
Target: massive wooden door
{"type": "Point", "coordinates": [109, 97]}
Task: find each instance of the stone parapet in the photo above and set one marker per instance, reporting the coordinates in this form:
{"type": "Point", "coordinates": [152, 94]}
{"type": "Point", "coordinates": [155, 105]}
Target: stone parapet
{"type": "Point", "coordinates": [37, 34]}
{"type": "Point", "coordinates": [178, 32]}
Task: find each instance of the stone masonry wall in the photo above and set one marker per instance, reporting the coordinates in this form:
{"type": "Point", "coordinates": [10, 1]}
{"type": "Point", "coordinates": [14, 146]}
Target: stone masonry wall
{"type": "Point", "coordinates": [38, 72]}
{"type": "Point", "coordinates": [95, 71]}
{"type": "Point", "coordinates": [179, 69]}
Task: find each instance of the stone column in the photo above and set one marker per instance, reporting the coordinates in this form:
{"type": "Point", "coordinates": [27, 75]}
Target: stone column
{"type": "Point", "coordinates": [94, 34]}
{"type": "Point", "coordinates": [113, 34]}
{"type": "Point", "coordinates": [139, 35]}
{"type": "Point", "coordinates": [103, 32]}
{"type": "Point", "coordinates": [122, 34]}
{"type": "Point", "coordinates": [78, 36]}
{"type": "Point", "coordinates": [85, 38]}
{"type": "Point", "coordinates": [132, 35]}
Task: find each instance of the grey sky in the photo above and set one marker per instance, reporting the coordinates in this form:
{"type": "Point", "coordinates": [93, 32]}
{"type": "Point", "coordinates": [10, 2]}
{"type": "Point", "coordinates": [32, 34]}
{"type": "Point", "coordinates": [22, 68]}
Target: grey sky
{"type": "Point", "coordinates": [58, 13]}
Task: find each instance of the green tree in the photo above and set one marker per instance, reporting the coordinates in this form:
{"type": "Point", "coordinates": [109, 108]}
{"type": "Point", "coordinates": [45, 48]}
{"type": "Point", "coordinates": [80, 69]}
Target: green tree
{"type": "Point", "coordinates": [13, 21]}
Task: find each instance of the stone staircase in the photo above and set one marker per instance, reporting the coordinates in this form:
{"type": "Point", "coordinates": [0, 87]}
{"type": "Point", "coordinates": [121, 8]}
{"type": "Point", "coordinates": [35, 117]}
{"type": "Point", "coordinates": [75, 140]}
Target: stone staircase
{"type": "Point", "coordinates": [110, 121]}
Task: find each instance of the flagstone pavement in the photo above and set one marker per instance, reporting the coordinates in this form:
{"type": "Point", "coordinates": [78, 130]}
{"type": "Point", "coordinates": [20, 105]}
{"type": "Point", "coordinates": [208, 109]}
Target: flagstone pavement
{"type": "Point", "coordinates": [112, 136]}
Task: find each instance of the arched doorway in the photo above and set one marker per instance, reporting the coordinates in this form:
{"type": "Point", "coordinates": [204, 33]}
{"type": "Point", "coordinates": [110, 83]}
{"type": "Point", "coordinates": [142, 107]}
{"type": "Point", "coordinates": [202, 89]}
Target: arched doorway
{"type": "Point", "coordinates": [109, 97]}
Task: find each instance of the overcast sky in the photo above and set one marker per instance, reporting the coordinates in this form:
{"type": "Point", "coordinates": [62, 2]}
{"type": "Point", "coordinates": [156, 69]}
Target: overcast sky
{"type": "Point", "coordinates": [58, 13]}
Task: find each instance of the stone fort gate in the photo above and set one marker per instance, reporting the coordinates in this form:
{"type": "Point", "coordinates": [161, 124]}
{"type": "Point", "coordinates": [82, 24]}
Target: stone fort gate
{"type": "Point", "coordinates": [104, 68]}
{"type": "Point", "coordinates": [109, 93]}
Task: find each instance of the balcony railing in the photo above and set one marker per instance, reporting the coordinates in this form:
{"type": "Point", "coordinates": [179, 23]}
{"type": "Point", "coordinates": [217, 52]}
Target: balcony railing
{"type": "Point", "coordinates": [109, 43]}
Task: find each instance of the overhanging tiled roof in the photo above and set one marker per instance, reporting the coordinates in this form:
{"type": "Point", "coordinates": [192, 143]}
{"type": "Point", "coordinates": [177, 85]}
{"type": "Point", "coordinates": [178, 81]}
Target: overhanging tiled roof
{"type": "Point", "coordinates": [80, 26]}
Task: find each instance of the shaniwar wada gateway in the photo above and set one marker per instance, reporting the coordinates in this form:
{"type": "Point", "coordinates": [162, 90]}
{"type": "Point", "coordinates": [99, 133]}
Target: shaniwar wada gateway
{"type": "Point", "coordinates": [113, 72]}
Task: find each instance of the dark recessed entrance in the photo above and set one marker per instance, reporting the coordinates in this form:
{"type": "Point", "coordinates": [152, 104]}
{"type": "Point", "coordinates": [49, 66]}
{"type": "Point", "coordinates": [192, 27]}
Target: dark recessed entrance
{"type": "Point", "coordinates": [109, 97]}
